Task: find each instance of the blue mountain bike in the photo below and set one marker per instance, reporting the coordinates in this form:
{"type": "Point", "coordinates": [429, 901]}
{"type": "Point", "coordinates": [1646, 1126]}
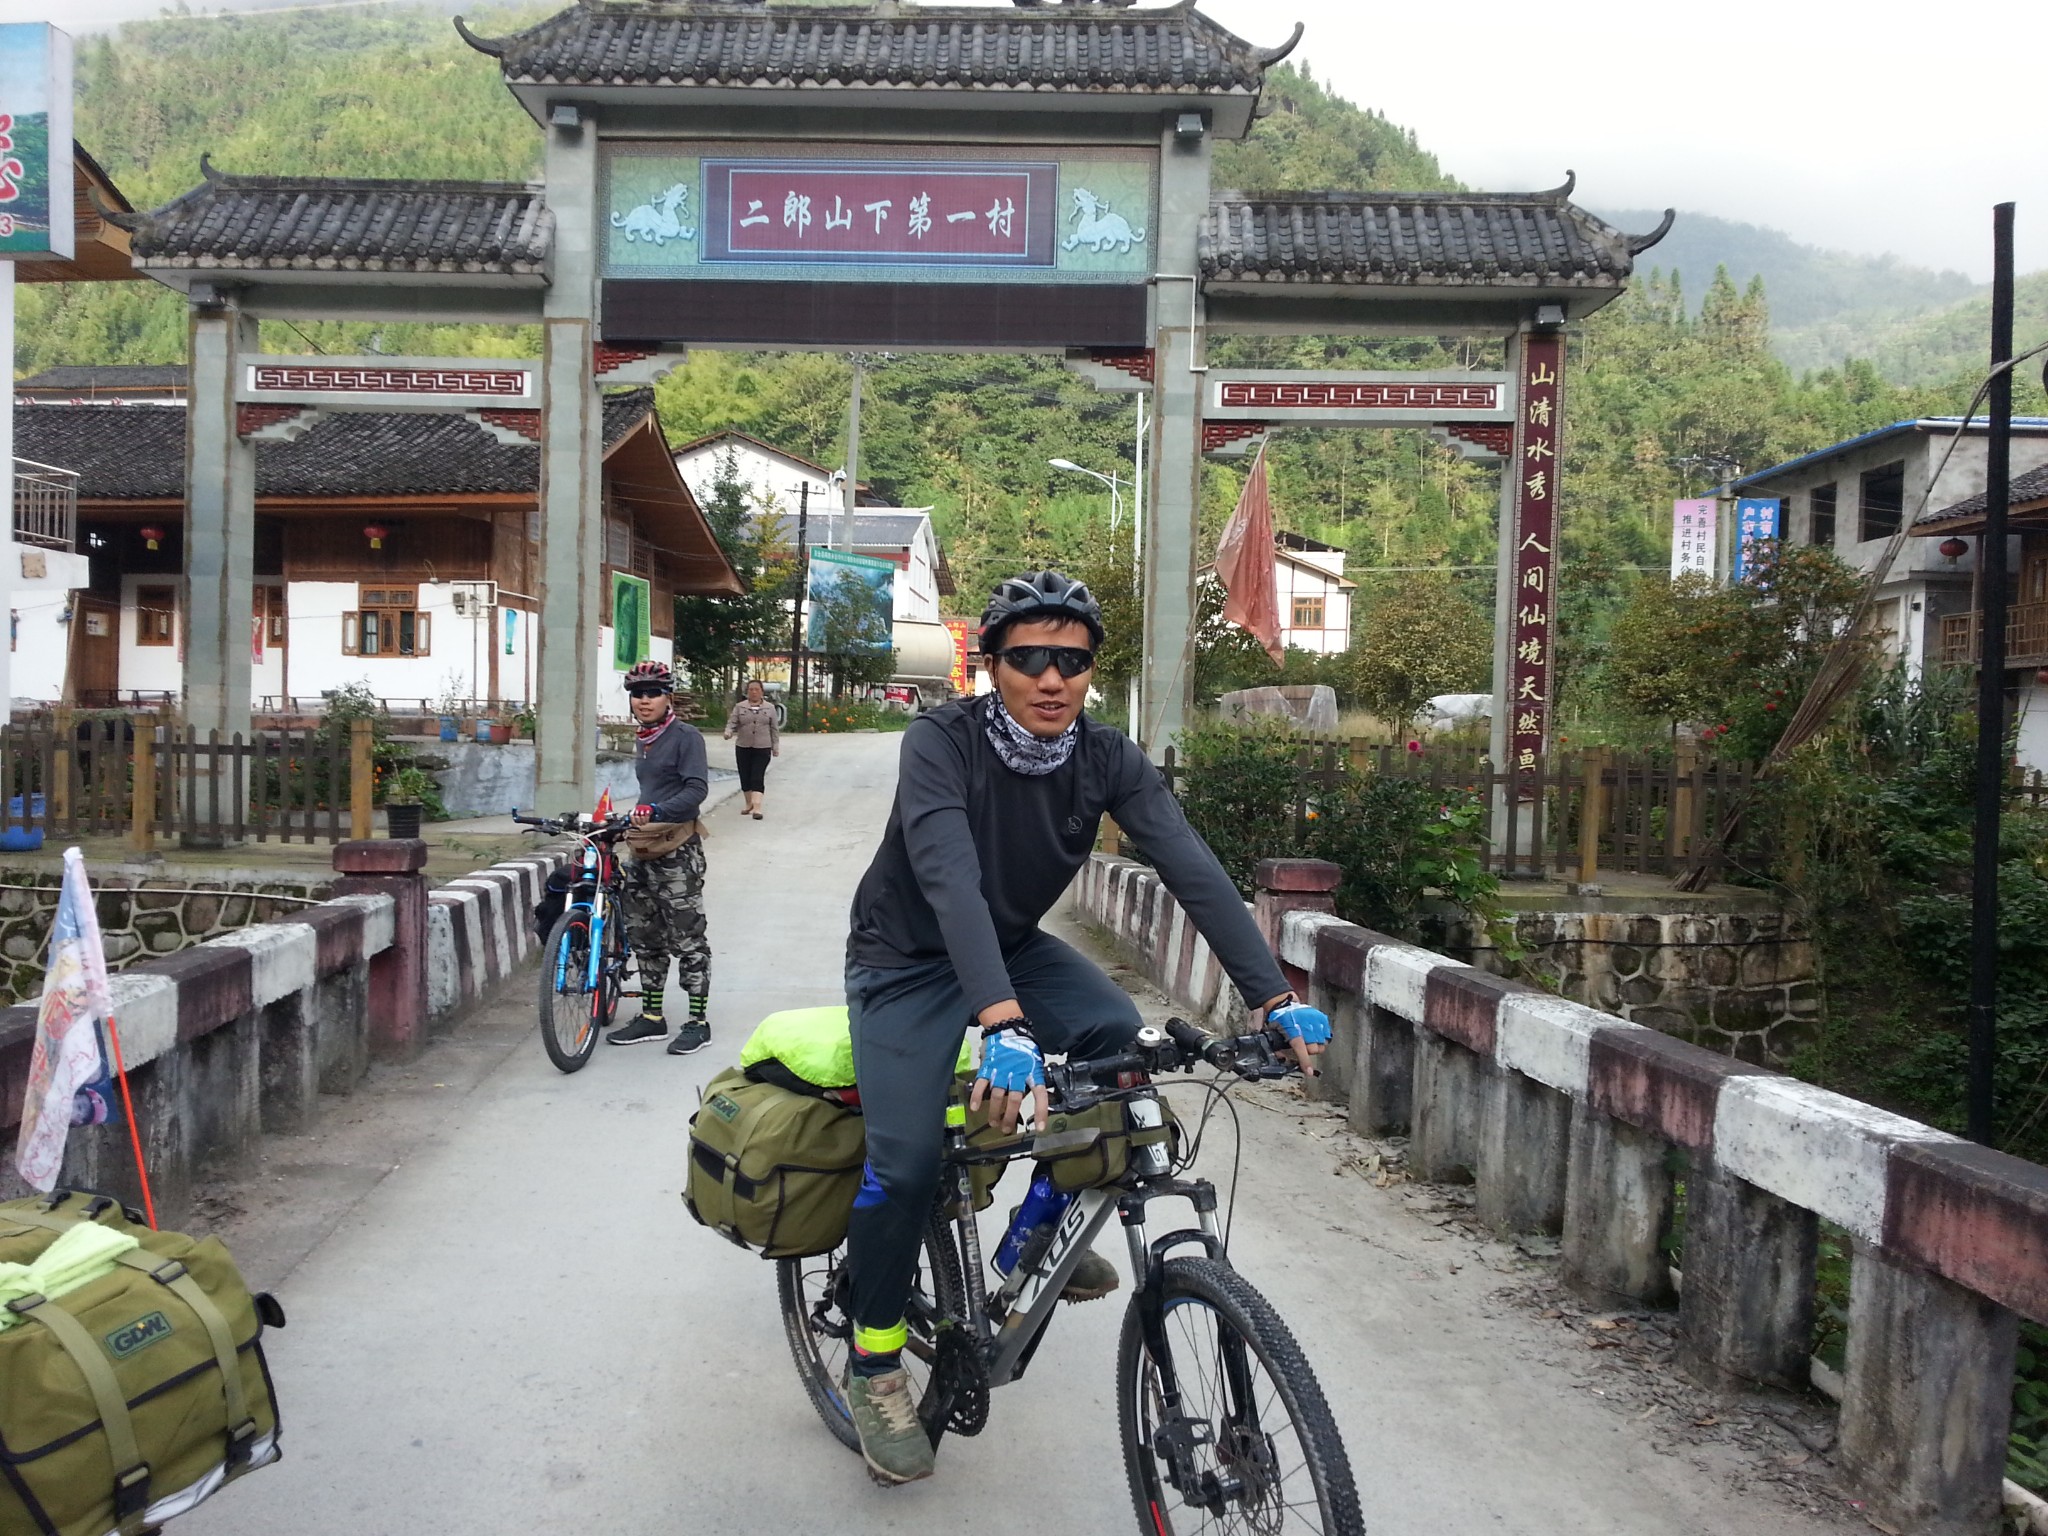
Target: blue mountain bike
{"type": "Point", "coordinates": [584, 958]}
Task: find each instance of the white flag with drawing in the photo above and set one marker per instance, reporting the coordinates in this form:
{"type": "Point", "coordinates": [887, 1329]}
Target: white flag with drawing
{"type": "Point", "coordinates": [67, 1073]}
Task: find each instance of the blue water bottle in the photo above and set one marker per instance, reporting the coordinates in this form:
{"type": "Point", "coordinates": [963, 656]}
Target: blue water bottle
{"type": "Point", "coordinates": [1044, 1203]}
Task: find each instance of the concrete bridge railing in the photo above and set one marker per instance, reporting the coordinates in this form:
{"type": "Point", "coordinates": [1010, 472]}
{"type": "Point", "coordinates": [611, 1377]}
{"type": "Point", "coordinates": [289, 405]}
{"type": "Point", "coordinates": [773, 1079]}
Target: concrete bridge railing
{"type": "Point", "coordinates": [243, 1033]}
{"type": "Point", "coordinates": [1575, 1122]}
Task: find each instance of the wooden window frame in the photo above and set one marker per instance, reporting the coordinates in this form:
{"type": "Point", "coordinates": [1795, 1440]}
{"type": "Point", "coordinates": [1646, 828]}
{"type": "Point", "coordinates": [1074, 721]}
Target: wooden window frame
{"type": "Point", "coordinates": [146, 606]}
{"type": "Point", "coordinates": [1319, 603]}
{"type": "Point", "coordinates": [387, 611]}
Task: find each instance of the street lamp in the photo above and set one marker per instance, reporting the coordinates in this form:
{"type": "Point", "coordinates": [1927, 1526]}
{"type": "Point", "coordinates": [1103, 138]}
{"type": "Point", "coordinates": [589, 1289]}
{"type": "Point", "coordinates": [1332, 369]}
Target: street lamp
{"type": "Point", "coordinates": [1115, 483]}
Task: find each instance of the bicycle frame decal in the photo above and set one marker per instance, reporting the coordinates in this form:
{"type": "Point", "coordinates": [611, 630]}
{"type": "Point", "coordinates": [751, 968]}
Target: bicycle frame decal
{"type": "Point", "coordinates": [1036, 1294]}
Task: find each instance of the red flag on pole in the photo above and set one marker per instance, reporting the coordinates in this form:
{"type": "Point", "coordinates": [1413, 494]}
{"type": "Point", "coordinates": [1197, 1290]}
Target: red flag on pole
{"type": "Point", "coordinates": [1244, 563]}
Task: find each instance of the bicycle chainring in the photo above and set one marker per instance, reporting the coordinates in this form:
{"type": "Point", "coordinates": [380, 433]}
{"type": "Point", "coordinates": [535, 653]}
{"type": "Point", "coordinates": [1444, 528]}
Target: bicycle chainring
{"type": "Point", "coordinates": [960, 1369]}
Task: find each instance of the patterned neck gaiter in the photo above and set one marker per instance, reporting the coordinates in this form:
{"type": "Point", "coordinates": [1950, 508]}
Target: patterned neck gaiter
{"type": "Point", "coordinates": [649, 734]}
{"type": "Point", "coordinates": [1022, 752]}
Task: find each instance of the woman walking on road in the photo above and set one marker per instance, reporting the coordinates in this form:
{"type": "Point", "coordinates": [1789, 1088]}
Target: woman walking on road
{"type": "Point", "coordinates": [752, 730]}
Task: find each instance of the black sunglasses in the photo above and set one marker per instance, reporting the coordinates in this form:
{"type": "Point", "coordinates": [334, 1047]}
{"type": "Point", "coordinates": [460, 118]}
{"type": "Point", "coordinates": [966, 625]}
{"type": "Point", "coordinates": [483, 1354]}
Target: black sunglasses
{"type": "Point", "coordinates": [656, 692]}
{"type": "Point", "coordinates": [1031, 660]}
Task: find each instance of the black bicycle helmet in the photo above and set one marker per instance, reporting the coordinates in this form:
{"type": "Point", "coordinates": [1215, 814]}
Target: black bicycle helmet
{"type": "Point", "coordinates": [1038, 595]}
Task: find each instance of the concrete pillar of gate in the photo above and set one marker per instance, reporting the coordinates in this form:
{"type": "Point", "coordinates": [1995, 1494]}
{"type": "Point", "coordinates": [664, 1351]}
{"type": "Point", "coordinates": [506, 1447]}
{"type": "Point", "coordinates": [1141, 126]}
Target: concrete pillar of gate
{"type": "Point", "coordinates": [1745, 1311]}
{"type": "Point", "coordinates": [1617, 1209]}
{"type": "Point", "coordinates": [1173, 506]}
{"type": "Point", "coordinates": [571, 484]}
{"type": "Point", "coordinates": [1926, 1398]}
{"type": "Point", "coordinates": [220, 532]}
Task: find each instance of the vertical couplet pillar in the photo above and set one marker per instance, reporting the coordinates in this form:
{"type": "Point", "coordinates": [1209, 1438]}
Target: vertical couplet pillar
{"type": "Point", "coordinates": [9, 567]}
{"type": "Point", "coordinates": [220, 530]}
{"type": "Point", "coordinates": [571, 485]}
{"type": "Point", "coordinates": [1525, 600]}
{"type": "Point", "coordinates": [1173, 509]}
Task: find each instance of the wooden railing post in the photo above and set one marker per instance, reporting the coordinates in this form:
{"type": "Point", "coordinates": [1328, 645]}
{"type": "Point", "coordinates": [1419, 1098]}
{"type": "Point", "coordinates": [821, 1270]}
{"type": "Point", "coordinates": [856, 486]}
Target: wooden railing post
{"type": "Point", "coordinates": [1112, 837]}
{"type": "Point", "coordinates": [360, 780]}
{"type": "Point", "coordinates": [1678, 831]}
{"type": "Point", "coordinates": [1592, 812]}
{"type": "Point", "coordinates": [142, 804]}
{"type": "Point", "coordinates": [57, 804]}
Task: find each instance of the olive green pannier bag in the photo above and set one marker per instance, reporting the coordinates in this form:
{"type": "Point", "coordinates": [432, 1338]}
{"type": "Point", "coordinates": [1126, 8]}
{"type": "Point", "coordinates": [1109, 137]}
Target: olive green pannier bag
{"type": "Point", "coordinates": [130, 1394]}
{"type": "Point", "coordinates": [773, 1169]}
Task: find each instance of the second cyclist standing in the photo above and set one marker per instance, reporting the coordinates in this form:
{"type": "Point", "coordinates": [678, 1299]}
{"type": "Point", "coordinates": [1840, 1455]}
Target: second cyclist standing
{"type": "Point", "coordinates": [664, 875]}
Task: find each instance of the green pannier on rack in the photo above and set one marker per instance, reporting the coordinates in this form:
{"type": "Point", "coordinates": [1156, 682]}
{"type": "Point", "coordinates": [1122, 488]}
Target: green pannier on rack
{"type": "Point", "coordinates": [132, 1378]}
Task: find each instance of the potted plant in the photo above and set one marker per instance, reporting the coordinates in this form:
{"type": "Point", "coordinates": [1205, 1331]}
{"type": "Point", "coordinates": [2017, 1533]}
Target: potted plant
{"type": "Point", "coordinates": [405, 793]}
{"type": "Point", "coordinates": [525, 723]}
{"type": "Point", "coordinates": [450, 706]}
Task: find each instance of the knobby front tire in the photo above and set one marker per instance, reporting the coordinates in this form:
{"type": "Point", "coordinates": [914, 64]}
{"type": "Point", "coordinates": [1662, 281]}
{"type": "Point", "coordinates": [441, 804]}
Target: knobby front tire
{"type": "Point", "coordinates": [568, 1021]}
{"type": "Point", "coordinates": [1272, 1462]}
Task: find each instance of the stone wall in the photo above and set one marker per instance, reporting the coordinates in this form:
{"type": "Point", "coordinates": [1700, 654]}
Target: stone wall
{"type": "Point", "coordinates": [139, 917]}
{"type": "Point", "coordinates": [1740, 983]}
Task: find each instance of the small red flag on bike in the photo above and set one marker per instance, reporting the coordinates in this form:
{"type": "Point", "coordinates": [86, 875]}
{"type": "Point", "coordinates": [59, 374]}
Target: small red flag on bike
{"type": "Point", "coordinates": [604, 804]}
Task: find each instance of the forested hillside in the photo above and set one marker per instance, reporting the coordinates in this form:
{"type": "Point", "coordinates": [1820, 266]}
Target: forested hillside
{"type": "Point", "coordinates": [1806, 284]}
{"type": "Point", "coordinates": [1920, 346]}
{"type": "Point", "coordinates": [1660, 380]}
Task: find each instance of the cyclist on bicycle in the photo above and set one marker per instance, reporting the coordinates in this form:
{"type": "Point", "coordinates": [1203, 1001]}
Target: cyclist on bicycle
{"type": "Point", "coordinates": [997, 803]}
{"type": "Point", "coordinates": [664, 877]}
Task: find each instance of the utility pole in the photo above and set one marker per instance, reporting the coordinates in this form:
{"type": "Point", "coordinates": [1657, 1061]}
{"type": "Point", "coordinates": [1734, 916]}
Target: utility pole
{"type": "Point", "coordinates": [1991, 695]}
{"type": "Point", "coordinates": [853, 448]}
{"type": "Point", "coordinates": [798, 683]}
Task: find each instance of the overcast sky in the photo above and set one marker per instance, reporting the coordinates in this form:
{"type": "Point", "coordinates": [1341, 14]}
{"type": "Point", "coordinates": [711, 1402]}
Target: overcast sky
{"type": "Point", "coordinates": [1872, 127]}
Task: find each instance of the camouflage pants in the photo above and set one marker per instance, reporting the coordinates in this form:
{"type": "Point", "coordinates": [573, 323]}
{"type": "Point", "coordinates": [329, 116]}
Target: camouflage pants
{"type": "Point", "coordinates": [664, 901]}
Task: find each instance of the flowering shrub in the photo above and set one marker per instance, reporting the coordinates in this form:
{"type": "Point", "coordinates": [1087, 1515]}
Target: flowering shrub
{"type": "Point", "coordinates": [830, 717]}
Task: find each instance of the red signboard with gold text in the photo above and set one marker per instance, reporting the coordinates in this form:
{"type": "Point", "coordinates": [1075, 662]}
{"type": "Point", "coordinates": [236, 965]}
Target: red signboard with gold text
{"type": "Point", "coordinates": [958, 629]}
{"type": "Point", "coordinates": [1534, 473]}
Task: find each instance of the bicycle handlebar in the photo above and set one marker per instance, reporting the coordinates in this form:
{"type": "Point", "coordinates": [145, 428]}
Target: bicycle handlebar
{"type": "Point", "coordinates": [611, 826]}
{"type": "Point", "coordinates": [1180, 1047]}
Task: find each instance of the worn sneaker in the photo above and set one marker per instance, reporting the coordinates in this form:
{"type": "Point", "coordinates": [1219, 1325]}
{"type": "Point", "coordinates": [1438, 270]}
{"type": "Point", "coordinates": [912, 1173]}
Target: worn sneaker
{"type": "Point", "coordinates": [892, 1440]}
{"type": "Point", "coordinates": [1094, 1277]}
{"type": "Point", "coordinates": [691, 1035]}
{"type": "Point", "coordinates": [638, 1032]}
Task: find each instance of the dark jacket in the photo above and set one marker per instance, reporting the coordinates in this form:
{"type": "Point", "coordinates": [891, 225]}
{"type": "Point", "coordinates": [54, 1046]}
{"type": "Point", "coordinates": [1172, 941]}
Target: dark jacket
{"type": "Point", "coordinates": [672, 774]}
{"type": "Point", "coordinates": [975, 854]}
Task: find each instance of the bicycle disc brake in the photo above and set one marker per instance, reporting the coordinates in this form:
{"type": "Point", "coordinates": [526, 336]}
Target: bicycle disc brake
{"type": "Point", "coordinates": [960, 1369]}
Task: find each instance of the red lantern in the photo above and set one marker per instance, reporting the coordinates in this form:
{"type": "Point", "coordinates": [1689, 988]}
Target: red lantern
{"type": "Point", "coordinates": [1954, 548]}
{"type": "Point", "coordinates": [375, 533]}
{"type": "Point", "coordinates": [152, 536]}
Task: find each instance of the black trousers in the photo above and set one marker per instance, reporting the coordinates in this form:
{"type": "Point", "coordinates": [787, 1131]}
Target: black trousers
{"type": "Point", "coordinates": [907, 1026]}
{"type": "Point", "coordinates": [753, 764]}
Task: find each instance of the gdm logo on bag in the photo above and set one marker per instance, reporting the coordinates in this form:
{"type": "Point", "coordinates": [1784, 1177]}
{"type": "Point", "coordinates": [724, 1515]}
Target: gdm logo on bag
{"type": "Point", "coordinates": [138, 1335]}
{"type": "Point", "coordinates": [726, 1109]}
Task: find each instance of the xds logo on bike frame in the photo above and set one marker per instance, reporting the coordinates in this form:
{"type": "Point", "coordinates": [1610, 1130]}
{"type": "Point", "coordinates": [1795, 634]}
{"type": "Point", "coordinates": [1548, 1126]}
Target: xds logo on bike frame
{"type": "Point", "coordinates": [134, 1337]}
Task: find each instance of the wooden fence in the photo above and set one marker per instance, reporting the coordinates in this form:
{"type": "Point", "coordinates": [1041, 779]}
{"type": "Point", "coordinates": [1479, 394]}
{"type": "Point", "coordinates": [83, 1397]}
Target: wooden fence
{"type": "Point", "coordinates": [135, 777]}
{"type": "Point", "coordinates": [1571, 815]}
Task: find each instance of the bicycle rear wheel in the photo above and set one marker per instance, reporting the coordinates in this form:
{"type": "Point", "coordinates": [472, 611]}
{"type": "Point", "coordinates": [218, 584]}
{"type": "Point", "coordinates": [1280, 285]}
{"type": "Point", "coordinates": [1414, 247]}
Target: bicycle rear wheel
{"type": "Point", "coordinates": [816, 1319]}
{"type": "Point", "coordinates": [1254, 1448]}
{"type": "Point", "coordinates": [569, 1016]}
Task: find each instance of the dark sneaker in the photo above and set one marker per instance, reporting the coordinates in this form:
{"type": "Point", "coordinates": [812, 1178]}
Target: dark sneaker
{"type": "Point", "coordinates": [639, 1032]}
{"type": "Point", "coordinates": [691, 1035]}
{"type": "Point", "coordinates": [892, 1440]}
{"type": "Point", "coordinates": [1094, 1277]}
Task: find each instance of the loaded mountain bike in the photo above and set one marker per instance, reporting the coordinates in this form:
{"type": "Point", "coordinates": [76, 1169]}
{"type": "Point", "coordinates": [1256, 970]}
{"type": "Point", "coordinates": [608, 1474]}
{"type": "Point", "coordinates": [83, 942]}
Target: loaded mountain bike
{"type": "Point", "coordinates": [1223, 1425]}
{"type": "Point", "coordinates": [584, 958]}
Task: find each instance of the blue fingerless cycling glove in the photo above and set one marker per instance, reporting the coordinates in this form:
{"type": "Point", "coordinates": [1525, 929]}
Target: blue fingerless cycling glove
{"type": "Point", "coordinates": [1011, 1062]}
{"type": "Point", "coordinates": [1298, 1021]}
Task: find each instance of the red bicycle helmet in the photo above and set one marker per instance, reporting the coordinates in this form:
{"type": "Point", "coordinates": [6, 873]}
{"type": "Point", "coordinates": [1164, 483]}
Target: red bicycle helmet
{"type": "Point", "coordinates": [656, 672]}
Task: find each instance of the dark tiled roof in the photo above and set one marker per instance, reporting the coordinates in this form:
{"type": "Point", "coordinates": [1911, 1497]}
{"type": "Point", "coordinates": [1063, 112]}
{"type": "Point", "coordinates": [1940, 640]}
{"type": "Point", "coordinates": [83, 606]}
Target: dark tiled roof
{"type": "Point", "coordinates": [310, 222]}
{"type": "Point", "coordinates": [2032, 486]}
{"type": "Point", "coordinates": [137, 452]}
{"type": "Point", "coordinates": [1429, 240]}
{"type": "Point", "coordinates": [110, 378]}
{"type": "Point", "coordinates": [1174, 50]}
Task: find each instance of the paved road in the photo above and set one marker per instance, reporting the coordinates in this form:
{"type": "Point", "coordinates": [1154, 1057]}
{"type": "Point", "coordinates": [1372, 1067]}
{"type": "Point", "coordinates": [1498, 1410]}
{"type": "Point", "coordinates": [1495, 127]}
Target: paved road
{"type": "Point", "coordinates": [502, 1320]}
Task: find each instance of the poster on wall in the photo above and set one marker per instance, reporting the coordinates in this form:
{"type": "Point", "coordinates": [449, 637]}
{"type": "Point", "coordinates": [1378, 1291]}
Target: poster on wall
{"type": "Point", "coordinates": [1756, 521]}
{"type": "Point", "coordinates": [957, 677]}
{"type": "Point", "coordinates": [632, 608]}
{"type": "Point", "coordinates": [35, 141]}
{"type": "Point", "coordinates": [852, 603]}
{"type": "Point", "coordinates": [1693, 524]}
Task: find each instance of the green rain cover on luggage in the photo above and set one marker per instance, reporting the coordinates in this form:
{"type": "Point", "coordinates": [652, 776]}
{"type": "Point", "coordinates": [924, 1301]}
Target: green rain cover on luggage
{"type": "Point", "coordinates": [142, 1345]}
